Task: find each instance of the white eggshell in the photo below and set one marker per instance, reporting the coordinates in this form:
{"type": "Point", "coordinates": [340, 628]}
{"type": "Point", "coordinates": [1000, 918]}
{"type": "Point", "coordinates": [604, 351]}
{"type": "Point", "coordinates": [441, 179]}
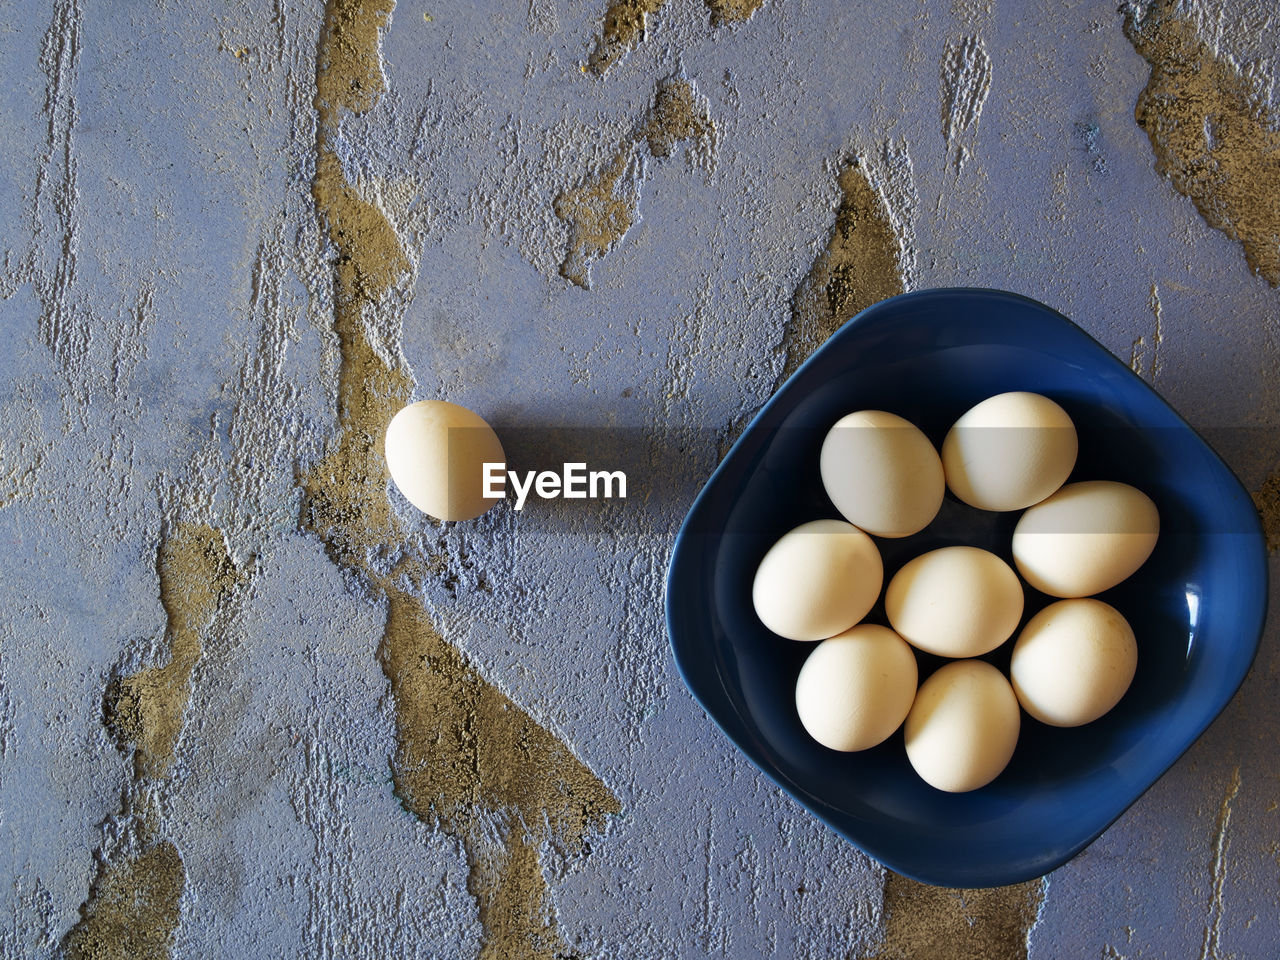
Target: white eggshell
{"type": "Point", "coordinates": [963, 726]}
{"type": "Point", "coordinates": [882, 473]}
{"type": "Point", "coordinates": [1073, 662]}
{"type": "Point", "coordinates": [1085, 538]}
{"type": "Point", "coordinates": [436, 453]}
{"type": "Point", "coordinates": [1009, 451]}
{"type": "Point", "coordinates": [855, 689]}
{"type": "Point", "coordinates": [955, 601]}
{"type": "Point", "coordinates": [818, 580]}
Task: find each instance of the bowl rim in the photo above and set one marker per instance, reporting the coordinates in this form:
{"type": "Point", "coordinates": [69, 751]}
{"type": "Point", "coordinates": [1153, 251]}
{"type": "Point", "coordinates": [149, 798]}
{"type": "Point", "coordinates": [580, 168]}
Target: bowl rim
{"type": "Point", "coordinates": [1046, 864]}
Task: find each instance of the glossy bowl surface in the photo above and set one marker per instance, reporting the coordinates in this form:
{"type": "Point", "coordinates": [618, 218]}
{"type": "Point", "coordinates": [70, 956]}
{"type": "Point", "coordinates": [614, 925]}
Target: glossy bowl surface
{"type": "Point", "coordinates": [1197, 606]}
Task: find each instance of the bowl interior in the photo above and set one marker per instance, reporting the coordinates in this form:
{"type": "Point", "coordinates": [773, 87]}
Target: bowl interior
{"type": "Point", "coordinates": [1196, 606]}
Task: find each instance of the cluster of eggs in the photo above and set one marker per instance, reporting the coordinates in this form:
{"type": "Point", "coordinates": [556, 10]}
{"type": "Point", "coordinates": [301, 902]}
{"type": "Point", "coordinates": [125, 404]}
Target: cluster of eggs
{"type": "Point", "coordinates": [1071, 662]}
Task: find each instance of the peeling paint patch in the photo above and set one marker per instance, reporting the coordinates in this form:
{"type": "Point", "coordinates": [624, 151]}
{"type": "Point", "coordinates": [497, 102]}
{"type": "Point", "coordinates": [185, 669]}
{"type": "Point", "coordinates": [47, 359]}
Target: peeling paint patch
{"type": "Point", "coordinates": [133, 907]}
{"type": "Point", "coordinates": [468, 760]}
{"type": "Point", "coordinates": [512, 896]}
{"type": "Point", "coordinates": [146, 709]}
{"type": "Point", "coordinates": [678, 114]}
{"type": "Point", "coordinates": [601, 211]}
{"type": "Point", "coordinates": [861, 265]}
{"type": "Point", "coordinates": [869, 256]}
{"type": "Point", "coordinates": [965, 79]}
{"type": "Point", "coordinates": [345, 494]}
{"type": "Point", "coordinates": [464, 747]}
{"type": "Point", "coordinates": [981, 924]}
{"type": "Point", "coordinates": [626, 23]}
{"type": "Point", "coordinates": [732, 11]}
{"type": "Point", "coordinates": [1212, 137]}
{"type": "Point", "coordinates": [492, 748]}
{"type": "Point", "coordinates": [624, 26]}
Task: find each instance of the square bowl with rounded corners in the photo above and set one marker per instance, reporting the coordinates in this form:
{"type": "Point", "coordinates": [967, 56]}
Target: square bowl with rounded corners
{"type": "Point", "coordinates": [1197, 605]}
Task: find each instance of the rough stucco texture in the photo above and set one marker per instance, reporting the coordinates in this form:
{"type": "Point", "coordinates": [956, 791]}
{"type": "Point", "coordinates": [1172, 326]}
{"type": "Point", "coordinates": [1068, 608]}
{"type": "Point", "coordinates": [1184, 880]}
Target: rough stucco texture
{"type": "Point", "coordinates": [253, 704]}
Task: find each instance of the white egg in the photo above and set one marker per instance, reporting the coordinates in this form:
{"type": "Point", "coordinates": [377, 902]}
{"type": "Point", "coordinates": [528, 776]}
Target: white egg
{"type": "Point", "coordinates": [955, 601]}
{"type": "Point", "coordinates": [1086, 538]}
{"type": "Point", "coordinates": [1009, 451]}
{"type": "Point", "coordinates": [855, 688]}
{"type": "Point", "coordinates": [963, 726]}
{"type": "Point", "coordinates": [436, 453]}
{"type": "Point", "coordinates": [882, 473]}
{"type": "Point", "coordinates": [818, 580]}
{"type": "Point", "coordinates": [1073, 662]}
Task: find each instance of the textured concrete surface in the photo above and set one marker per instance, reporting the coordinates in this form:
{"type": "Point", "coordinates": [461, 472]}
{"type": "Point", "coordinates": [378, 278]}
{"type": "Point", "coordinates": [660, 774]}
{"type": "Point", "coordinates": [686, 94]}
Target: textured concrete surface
{"type": "Point", "coordinates": [252, 704]}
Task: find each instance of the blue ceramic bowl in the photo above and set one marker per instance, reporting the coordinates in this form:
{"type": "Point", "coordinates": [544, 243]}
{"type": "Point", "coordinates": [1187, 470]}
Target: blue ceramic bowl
{"type": "Point", "coordinates": [1196, 606]}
